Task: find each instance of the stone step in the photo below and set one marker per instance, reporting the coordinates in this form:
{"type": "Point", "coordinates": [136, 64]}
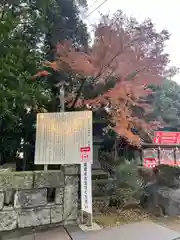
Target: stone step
{"type": "Point", "coordinates": [99, 174]}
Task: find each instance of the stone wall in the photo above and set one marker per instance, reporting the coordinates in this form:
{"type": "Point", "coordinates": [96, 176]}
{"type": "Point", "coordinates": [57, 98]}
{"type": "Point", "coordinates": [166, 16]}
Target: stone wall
{"type": "Point", "coordinates": [29, 199]}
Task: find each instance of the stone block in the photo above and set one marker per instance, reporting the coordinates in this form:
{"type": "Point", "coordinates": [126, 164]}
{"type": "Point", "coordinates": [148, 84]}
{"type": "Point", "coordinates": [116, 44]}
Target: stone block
{"type": "Point", "coordinates": [1, 200]}
{"type": "Point", "coordinates": [9, 197]}
{"type": "Point", "coordinates": [71, 180]}
{"type": "Point", "coordinates": [8, 220]}
{"type": "Point", "coordinates": [22, 180]}
{"type": "Point", "coordinates": [33, 217]}
{"type": "Point", "coordinates": [6, 179]}
{"type": "Point", "coordinates": [16, 180]}
{"type": "Point", "coordinates": [59, 195]}
{"type": "Point", "coordinates": [30, 198]}
{"type": "Point", "coordinates": [70, 202]}
{"type": "Point", "coordinates": [57, 214]}
{"type": "Point", "coordinates": [48, 179]}
{"type": "Point", "coordinates": [71, 170]}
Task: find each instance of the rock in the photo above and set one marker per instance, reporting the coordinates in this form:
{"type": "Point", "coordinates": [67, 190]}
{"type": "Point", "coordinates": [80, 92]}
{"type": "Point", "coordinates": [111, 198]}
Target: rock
{"type": "Point", "coordinates": [8, 220]}
{"type": "Point", "coordinates": [161, 200]}
{"type": "Point", "coordinates": [30, 198]}
{"type": "Point", "coordinates": [173, 208]}
{"type": "Point", "coordinates": [161, 191]}
{"type": "Point", "coordinates": [33, 217]}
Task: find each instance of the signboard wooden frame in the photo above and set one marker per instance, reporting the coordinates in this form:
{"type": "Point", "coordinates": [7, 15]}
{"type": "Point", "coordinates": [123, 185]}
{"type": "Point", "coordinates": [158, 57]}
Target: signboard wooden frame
{"type": "Point", "coordinates": [60, 136]}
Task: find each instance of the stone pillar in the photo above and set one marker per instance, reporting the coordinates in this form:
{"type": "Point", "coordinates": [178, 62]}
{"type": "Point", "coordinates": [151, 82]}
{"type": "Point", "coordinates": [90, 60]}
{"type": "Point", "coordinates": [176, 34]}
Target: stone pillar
{"type": "Point", "coordinates": [71, 197]}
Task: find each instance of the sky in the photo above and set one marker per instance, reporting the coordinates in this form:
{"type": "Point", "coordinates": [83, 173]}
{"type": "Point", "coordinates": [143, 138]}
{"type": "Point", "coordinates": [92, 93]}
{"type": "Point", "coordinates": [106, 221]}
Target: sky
{"type": "Point", "coordinates": [164, 14]}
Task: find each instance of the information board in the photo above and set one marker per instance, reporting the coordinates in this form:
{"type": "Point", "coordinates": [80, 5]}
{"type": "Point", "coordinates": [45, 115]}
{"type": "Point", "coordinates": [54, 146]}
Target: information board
{"type": "Point", "coordinates": [61, 137]}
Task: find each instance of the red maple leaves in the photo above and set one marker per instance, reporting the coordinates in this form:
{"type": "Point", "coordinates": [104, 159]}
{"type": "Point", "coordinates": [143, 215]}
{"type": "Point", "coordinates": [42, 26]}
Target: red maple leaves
{"type": "Point", "coordinates": [122, 53]}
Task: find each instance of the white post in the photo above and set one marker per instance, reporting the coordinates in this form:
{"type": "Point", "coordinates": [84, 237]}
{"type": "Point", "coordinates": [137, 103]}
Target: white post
{"type": "Point", "coordinates": [86, 192]}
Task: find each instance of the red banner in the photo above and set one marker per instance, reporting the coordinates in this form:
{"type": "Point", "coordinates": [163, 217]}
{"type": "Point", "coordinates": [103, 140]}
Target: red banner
{"type": "Point", "coordinates": [85, 149]}
{"type": "Point", "coordinates": [166, 138]}
{"type": "Point", "coordinates": [85, 154]}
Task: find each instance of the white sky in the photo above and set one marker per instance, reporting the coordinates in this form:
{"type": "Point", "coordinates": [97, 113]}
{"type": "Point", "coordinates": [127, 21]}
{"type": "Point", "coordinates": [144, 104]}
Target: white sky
{"type": "Point", "coordinates": [165, 14]}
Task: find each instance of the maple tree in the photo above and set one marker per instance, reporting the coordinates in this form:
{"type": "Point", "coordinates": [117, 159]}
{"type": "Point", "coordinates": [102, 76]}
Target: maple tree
{"type": "Point", "coordinates": [123, 49]}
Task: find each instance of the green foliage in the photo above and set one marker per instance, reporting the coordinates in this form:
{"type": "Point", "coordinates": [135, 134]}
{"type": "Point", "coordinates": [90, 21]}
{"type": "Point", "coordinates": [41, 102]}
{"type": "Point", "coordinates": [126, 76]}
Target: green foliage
{"type": "Point", "coordinates": [166, 104]}
{"type": "Point", "coordinates": [19, 60]}
{"type": "Point", "coordinates": [128, 185]}
{"type": "Point", "coordinates": [63, 22]}
{"type": "Point", "coordinates": [27, 28]}
{"type": "Point", "coordinates": [126, 175]}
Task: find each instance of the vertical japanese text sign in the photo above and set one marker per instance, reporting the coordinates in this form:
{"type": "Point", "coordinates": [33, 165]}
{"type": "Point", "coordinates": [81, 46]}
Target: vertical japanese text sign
{"type": "Point", "coordinates": [86, 156]}
{"type": "Point", "coordinates": [86, 188]}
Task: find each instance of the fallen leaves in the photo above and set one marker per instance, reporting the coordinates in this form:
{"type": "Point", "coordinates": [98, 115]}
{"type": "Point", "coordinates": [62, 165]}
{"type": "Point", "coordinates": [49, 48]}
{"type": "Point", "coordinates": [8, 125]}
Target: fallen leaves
{"type": "Point", "coordinates": [120, 217]}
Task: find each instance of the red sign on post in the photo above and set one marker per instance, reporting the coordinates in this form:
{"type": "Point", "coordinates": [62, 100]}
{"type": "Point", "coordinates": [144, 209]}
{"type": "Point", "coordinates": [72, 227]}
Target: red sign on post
{"type": "Point", "coordinates": [166, 138]}
{"type": "Point", "coordinates": [85, 154]}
